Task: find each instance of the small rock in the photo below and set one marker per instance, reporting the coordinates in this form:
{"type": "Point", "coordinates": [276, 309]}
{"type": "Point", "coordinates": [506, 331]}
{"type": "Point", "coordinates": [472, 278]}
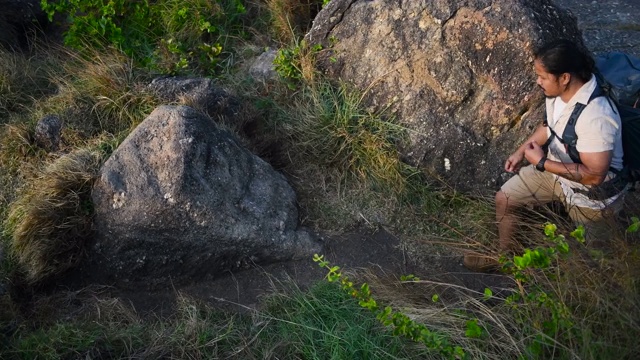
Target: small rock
{"type": "Point", "coordinates": [48, 132]}
{"type": "Point", "coordinates": [263, 68]}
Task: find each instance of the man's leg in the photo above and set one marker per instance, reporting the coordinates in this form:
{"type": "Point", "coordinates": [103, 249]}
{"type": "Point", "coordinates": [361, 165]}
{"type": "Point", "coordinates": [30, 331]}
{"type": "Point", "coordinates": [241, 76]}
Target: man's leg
{"type": "Point", "coordinates": [506, 220]}
{"type": "Point", "coordinates": [529, 186]}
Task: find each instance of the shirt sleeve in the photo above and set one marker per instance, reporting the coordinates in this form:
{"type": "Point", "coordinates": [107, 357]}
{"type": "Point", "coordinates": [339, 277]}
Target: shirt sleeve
{"type": "Point", "coordinates": [597, 132]}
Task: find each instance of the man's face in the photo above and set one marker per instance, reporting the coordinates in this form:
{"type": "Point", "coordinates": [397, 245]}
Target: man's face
{"type": "Point", "coordinates": [549, 83]}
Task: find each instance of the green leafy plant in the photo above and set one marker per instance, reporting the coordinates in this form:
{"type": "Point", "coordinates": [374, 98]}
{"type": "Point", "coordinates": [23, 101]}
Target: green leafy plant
{"type": "Point", "coordinates": [168, 35]}
{"type": "Point", "coordinates": [294, 64]}
{"type": "Point", "coordinates": [556, 318]}
{"type": "Point", "coordinates": [402, 325]}
{"type": "Point", "coordinates": [635, 225]}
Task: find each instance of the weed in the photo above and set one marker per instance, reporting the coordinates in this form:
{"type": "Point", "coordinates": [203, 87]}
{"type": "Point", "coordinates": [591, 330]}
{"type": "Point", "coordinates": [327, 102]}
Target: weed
{"type": "Point", "coordinates": [402, 325]}
{"type": "Point", "coordinates": [329, 127]}
{"type": "Point", "coordinates": [296, 64]}
{"type": "Point", "coordinates": [326, 323]}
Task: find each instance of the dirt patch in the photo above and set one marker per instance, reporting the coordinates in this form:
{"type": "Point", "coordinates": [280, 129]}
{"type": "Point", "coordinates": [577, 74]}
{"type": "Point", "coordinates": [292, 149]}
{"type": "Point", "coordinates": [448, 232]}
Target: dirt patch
{"type": "Point", "coordinates": [379, 253]}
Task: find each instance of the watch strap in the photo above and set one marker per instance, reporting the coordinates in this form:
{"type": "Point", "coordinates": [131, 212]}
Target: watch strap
{"type": "Point", "coordinates": [540, 164]}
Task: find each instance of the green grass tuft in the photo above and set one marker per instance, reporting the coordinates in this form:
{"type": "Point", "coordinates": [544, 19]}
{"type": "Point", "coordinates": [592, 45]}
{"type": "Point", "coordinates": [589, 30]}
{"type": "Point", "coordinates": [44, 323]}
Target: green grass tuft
{"type": "Point", "coordinates": [330, 128]}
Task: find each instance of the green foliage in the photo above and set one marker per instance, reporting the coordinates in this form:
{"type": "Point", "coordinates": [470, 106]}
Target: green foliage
{"type": "Point", "coordinates": [325, 323]}
{"type": "Point", "coordinates": [635, 225]}
{"type": "Point", "coordinates": [401, 324]}
{"type": "Point", "coordinates": [290, 62]}
{"type": "Point", "coordinates": [488, 294]}
{"type": "Point", "coordinates": [554, 320]}
{"type": "Point", "coordinates": [473, 329]}
{"type": "Point", "coordinates": [170, 35]}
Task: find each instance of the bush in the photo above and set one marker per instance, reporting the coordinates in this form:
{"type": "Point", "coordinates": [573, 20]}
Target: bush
{"type": "Point", "coordinates": [169, 35]}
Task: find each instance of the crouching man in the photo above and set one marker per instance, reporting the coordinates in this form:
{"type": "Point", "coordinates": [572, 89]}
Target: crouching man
{"type": "Point", "coordinates": [585, 175]}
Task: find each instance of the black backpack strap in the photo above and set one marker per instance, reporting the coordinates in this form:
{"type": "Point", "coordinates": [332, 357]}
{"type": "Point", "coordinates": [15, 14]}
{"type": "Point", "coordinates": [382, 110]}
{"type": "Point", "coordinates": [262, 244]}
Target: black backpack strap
{"type": "Point", "coordinates": [569, 136]}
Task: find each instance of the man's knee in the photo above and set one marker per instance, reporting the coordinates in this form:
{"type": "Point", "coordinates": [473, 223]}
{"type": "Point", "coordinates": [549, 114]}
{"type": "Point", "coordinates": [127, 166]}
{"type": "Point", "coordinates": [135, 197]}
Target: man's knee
{"type": "Point", "coordinates": [503, 202]}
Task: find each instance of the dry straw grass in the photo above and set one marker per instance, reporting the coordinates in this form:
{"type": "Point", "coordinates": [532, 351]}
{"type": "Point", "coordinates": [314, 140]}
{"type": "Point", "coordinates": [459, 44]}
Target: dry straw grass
{"type": "Point", "coordinates": [291, 19]}
{"type": "Point", "coordinates": [51, 219]}
{"type": "Point", "coordinates": [23, 80]}
{"type": "Point", "coordinates": [100, 92]}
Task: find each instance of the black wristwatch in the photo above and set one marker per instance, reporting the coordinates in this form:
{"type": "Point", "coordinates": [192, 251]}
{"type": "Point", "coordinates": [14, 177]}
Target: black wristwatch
{"type": "Point", "coordinates": [540, 164]}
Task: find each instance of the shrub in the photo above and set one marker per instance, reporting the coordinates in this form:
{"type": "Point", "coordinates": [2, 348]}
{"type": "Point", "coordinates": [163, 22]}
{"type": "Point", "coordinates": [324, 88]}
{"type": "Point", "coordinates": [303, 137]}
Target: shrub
{"type": "Point", "coordinates": [171, 36]}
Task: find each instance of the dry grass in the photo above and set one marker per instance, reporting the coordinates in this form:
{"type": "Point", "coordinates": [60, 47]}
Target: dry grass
{"type": "Point", "coordinates": [51, 219]}
{"type": "Point", "coordinates": [99, 92]}
{"type": "Point", "coordinates": [23, 80]}
{"type": "Point", "coordinates": [598, 298]}
{"type": "Point", "coordinates": [291, 19]}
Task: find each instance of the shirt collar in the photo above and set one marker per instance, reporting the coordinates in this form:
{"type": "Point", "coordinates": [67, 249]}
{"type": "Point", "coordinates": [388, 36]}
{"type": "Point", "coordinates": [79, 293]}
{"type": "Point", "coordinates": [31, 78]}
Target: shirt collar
{"type": "Point", "coordinates": [584, 93]}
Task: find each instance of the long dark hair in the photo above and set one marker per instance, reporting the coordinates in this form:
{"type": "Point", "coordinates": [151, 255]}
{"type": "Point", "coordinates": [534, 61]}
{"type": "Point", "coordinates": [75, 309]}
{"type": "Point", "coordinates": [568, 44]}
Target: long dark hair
{"type": "Point", "coordinates": [565, 56]}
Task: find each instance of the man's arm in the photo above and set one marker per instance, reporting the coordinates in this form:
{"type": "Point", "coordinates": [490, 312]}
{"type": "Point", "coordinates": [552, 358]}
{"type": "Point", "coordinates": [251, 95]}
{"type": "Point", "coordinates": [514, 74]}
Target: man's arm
{"type": "Point", "coordinates": [514, 161]}
{"type": "Point", "coordinates": [592, 171]}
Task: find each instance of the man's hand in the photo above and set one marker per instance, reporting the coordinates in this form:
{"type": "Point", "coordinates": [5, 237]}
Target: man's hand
{"type": "Point", "coordinates": [514, 162]}
{"type": "Point", "coordinates": [533, 152]}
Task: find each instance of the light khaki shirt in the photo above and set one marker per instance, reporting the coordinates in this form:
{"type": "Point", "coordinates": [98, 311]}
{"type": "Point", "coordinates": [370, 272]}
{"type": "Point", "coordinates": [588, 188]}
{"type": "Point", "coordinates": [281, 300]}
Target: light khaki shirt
{"type": "Point", "coordinates": [598, 129]}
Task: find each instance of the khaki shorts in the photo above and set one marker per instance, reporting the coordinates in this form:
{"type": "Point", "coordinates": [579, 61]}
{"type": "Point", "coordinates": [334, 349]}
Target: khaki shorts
{"type": "Point", "coordinates": [531, 186]}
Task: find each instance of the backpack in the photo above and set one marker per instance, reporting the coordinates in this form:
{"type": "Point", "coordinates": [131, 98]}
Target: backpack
{"type": "Point", "coordinates": [618, 77]}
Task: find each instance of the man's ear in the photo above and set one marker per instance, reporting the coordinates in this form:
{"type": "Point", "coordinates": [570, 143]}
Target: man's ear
{"type": "Point", "coordinates": [564, 78]}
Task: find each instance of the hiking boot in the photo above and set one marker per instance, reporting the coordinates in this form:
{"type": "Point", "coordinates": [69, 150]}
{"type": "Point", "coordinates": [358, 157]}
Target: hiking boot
{"type": "Point", "coordinates": [480, 262]}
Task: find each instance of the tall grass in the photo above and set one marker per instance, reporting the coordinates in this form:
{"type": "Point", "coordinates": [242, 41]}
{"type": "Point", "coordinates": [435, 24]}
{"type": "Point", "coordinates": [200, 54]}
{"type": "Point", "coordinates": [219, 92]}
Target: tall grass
{"type": "Point", "coordinates": [291, 19]}
{"type": "Point", "coordinates": [322, 323]}
{"type": "Point", "coordinates": [329, 127]}
{"type": "Point", "coordinates": [50, 221]}
{"type": "Point", "coordinates": [574, 309]}
{"type": "Point", "coordinates": [23, 80]}
{"type": "Point", "coordinates": [97, 92]}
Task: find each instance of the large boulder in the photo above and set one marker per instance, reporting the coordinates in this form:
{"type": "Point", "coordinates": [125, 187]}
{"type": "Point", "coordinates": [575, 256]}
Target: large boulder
{"type": "Point", "coordinates": [180, 199]}
{"type": "Point", "coordinates": [457, 73]}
